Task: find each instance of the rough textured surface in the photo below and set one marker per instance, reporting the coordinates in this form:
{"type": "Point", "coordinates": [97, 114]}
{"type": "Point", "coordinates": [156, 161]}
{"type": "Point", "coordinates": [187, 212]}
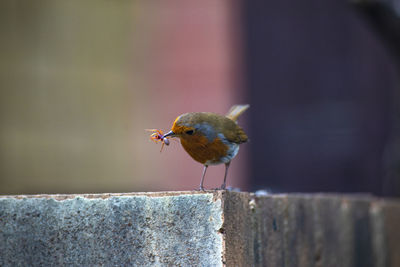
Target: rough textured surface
{"type": "Point", "coordinates": [325, 230]}
{"type": "Point", "coordinates": [174, 230]}
{"type": "Point", "coordinates": [214, 228]}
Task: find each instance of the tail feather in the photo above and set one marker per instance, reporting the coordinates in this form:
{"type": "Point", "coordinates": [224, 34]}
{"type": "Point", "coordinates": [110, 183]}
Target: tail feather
{"type": "Point", "coordinates": [236, 111]}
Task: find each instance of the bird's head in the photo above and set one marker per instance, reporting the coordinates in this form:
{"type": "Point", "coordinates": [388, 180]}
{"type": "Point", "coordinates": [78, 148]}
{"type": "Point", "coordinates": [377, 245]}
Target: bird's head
{"type": "Point", "coordinates": [184, 126]}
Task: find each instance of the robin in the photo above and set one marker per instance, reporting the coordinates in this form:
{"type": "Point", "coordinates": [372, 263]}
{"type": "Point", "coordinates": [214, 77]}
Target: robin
{"type": "Point", "coordinates": [210, 138]}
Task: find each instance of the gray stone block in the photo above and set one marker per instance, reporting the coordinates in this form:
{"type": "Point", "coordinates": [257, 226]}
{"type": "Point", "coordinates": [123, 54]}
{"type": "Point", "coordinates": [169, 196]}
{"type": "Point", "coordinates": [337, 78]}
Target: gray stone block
{"type": "Point", "coordinates": [125, 230]}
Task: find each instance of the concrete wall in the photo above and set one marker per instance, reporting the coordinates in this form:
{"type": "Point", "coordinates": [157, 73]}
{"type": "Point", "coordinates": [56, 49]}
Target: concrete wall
{"type": "Point", "coordinates": [213, 228]}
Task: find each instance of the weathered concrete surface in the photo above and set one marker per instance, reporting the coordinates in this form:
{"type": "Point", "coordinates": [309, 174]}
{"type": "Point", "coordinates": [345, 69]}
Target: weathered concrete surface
{"type": "Point", "coordinates": [326, 230]}
{"type": "Point", "coordinates": [126, 230]}
{"type": "Point", "coordinates": [213, 228]}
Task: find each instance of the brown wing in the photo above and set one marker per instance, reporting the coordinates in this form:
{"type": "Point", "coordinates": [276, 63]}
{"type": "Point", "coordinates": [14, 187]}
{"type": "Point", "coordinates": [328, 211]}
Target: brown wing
{"type": "Point", "coordinates": [237, 135]}
{"type": "Point", "coordinates": [233, 132]}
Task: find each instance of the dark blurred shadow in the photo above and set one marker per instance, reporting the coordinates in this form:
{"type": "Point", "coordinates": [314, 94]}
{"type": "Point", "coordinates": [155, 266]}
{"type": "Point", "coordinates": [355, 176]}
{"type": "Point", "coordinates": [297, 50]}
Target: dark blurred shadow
{"type": "Point", "coordinates": [321, 85]}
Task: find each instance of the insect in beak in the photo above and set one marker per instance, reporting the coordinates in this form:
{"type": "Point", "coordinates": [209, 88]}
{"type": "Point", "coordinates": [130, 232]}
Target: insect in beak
{"type": "Point", "coordinates": [157, 135]}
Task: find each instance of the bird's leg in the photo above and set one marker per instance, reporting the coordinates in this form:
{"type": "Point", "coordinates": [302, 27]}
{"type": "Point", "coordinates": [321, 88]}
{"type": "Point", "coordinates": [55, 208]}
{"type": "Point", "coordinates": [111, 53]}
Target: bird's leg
{"type": "Point", "coordinates": [202, 178]}
{"type": "Point", "coordinates": [226, 172]}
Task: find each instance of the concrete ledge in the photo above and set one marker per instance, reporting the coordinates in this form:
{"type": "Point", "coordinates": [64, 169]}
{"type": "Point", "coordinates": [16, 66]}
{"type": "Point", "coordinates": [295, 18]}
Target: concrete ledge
{"type": "Point", "coordinates": [213, 228]}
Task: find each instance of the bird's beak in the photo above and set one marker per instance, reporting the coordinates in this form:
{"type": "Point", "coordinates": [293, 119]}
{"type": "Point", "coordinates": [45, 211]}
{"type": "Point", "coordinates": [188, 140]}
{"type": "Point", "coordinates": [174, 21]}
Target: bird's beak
{"type": "Point", "coordinates": [170, 134]}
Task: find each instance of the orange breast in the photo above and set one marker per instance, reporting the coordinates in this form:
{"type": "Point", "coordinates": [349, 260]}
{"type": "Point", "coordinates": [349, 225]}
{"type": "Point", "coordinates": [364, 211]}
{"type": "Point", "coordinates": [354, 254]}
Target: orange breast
{"type": "Point", "coordinates": [201, 150]}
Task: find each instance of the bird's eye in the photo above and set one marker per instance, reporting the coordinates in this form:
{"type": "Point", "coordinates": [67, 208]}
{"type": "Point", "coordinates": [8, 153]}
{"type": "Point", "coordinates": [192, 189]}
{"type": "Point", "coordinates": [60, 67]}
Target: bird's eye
{"type": "Point", "coordinates": [189, 132]}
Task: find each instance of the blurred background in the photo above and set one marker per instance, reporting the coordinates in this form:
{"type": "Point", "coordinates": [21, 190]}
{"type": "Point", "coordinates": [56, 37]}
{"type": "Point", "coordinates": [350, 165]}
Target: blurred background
{"type": "Point", "coordinates": [80, 81]}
